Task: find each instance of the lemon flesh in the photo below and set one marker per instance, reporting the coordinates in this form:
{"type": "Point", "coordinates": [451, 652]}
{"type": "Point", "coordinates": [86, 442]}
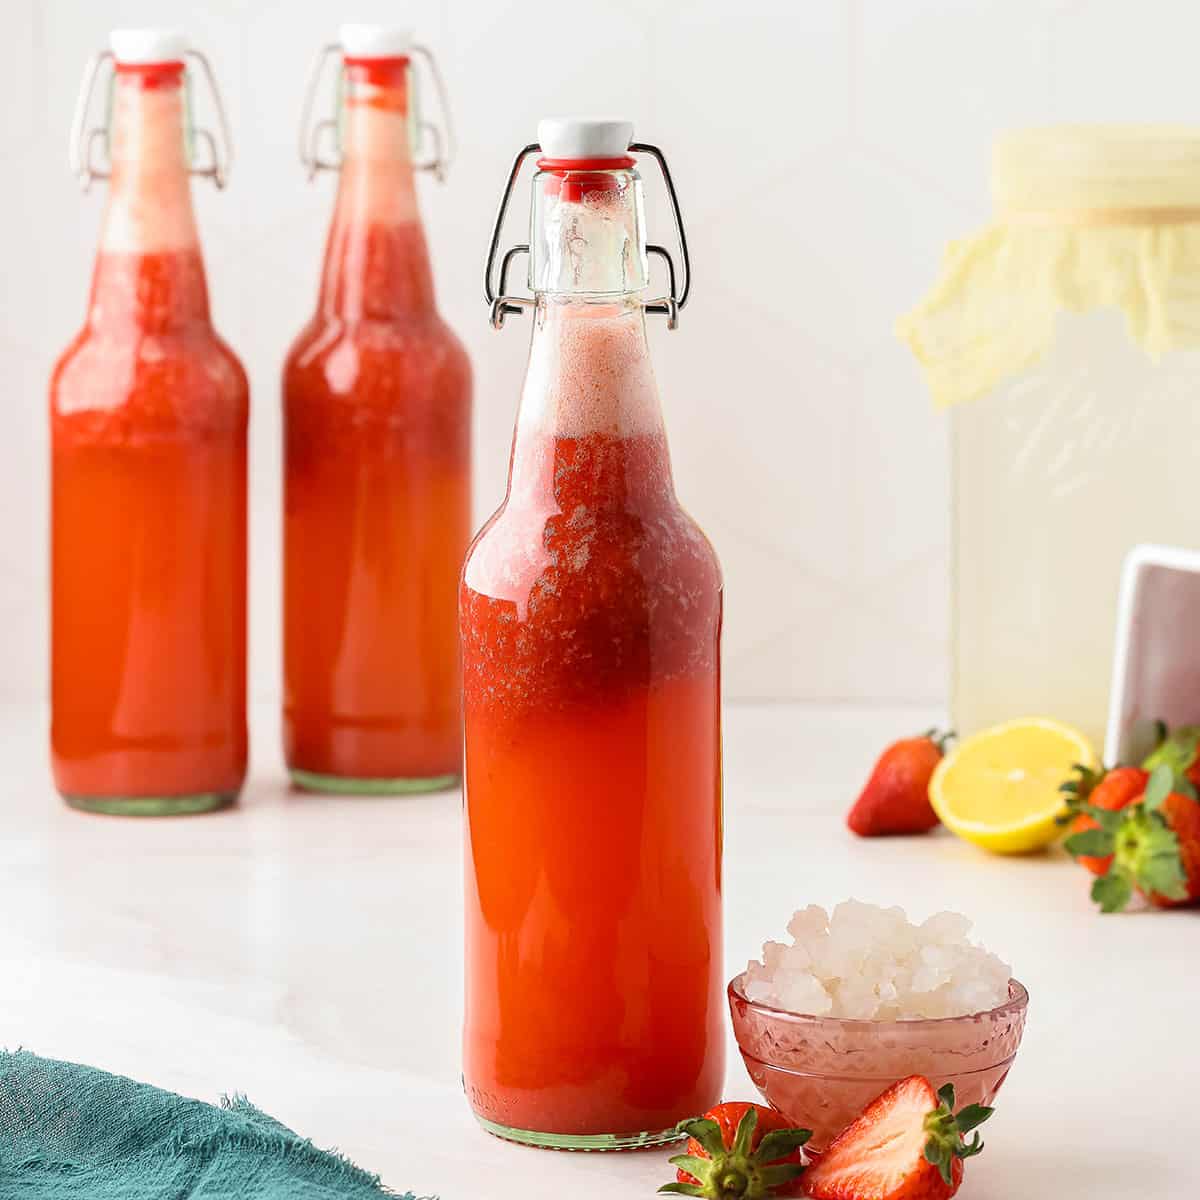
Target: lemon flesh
{"type": "Point", "coordinates": [999, 787]}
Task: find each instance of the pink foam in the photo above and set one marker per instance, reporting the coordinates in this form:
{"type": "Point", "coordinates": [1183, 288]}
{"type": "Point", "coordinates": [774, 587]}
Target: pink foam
{"type": "Point", "coordinates": [590, 372]}
{"type": "Point", "coordinates": [149, 203]}
{"type": "Point", "coordinates": [377, 171]}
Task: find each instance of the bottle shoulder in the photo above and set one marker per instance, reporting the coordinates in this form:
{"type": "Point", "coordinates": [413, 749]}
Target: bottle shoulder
{"type": "Point", "coordinates": [416, 332]}
{"type": "Point", "coordinates": [657, 550]}
{"type": "Point", "coordinates": [183, 377]}
{"type": "Point", "coordinates": [396, 359]}
{"type": "Point", "coordinates": [569, 606]}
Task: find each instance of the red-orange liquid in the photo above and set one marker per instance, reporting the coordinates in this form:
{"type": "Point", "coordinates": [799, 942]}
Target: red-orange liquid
{"type": "Point", "coordinates": [376, 517]}
{"type": "Point", "coordinates": [148, 430]}
{"type": "Point", "coordinates": [590, 615]}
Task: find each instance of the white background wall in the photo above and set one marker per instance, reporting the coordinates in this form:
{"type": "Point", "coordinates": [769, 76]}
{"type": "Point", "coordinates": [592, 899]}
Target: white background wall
{"type": "Point", "coordinates": [824, 151]}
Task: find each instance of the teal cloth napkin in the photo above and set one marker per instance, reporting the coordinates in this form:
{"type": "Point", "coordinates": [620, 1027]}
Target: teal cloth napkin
{"type": "Point", "coordinates": [72, 1132]}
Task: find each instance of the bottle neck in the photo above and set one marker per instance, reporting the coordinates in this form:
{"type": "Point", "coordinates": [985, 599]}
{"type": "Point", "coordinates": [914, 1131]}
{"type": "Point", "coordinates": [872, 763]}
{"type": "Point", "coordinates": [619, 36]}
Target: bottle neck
{"type": "Point", "coordinates": [376, 260]}
{"type": "Point", "coordinates": [588, 229]}
{"type": "Point", "coordinates": [148, 270]}
{"type": "Point", "coordinates": [590, 430]}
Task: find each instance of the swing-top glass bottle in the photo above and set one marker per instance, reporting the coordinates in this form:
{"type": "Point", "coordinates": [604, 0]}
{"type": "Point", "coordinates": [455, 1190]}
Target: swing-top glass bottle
{"type": "Point", "coordinates": [148, 415]}
{"type": "Point", "coordinates": [377, 450]}
{"type": "Point", "coordinates": [590, 613]}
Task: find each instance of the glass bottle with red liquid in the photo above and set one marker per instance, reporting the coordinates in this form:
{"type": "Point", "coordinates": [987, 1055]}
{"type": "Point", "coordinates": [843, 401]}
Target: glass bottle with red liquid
{"type": "Point", "coordinates": [590, 615]}
{"type": "Point", "coordinates": [148, 415]}
{"type": "Point", "coordinates": [377, 457]}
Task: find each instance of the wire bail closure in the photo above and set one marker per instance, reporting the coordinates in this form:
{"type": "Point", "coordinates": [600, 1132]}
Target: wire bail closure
{"type": "Point", "coordinates": [81, 153]}
{"type": "Point", "coordinates": [504, 305]}
{"type": "Point", "coordinates": [443, 145]}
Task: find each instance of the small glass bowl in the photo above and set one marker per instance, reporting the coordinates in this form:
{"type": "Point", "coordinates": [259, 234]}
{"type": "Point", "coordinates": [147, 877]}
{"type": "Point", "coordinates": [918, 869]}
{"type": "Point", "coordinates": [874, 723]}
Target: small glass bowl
{"type": "Point", "coordinates": [821, 1072]}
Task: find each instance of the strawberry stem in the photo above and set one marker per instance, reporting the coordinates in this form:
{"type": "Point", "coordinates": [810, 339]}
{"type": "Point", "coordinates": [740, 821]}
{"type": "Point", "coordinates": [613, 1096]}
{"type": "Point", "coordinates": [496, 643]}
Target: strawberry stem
{"type": "Point", "coordinates": [1177, 750]}
{"type": "Point", "coordinates": [940, 738]}
{"type": "Point", "coordinates": [1146, 852]}
{"type": "Point", "coordinates": [945, 1142]}
{"type": "Point", "coordinates": [736, 1173]}
{"type": "Point", "coordinates": [1076, 790]}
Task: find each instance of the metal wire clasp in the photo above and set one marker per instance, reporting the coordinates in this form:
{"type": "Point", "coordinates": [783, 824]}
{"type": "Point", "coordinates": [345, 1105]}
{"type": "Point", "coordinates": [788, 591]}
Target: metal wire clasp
{"type": "Point", "coordinates": [503, 305]}
{"type": "Point", "coordinates": [436, 146]}
{"type": "Point", "coordinates": [81, 152]}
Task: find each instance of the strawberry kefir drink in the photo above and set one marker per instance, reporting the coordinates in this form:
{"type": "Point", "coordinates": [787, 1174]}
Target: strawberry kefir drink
{"type": "Point", "coordinates": [148, 413]}
{"type": "Point", "coordinates": [377, 470]}
{"type": "Point", "coordinates": [590, 611]}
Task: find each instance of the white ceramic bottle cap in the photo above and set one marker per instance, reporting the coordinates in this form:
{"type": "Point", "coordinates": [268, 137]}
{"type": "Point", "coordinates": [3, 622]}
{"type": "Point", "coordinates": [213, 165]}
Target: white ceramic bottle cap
{"type": "Point", "coordinates": [375, 41]}
{"type": "Point", "coordinates": [578, 137]}
{"type": "Point", "coordinates": [138, 47]}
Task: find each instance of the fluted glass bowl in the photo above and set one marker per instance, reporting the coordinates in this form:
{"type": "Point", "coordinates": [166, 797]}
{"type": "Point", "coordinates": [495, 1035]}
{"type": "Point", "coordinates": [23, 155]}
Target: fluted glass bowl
{"type": "Point", "coordinates": [820, 1072]}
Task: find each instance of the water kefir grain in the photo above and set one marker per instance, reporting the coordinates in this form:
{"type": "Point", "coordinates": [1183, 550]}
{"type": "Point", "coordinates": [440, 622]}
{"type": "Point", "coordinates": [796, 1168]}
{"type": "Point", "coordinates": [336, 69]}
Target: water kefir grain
{"type": "Point", "coordinates": [148, 427]}
{"type": "Point", "coordinates": [377, 492]}
{"type": "Point", "coordinates": [863, 962]}
{"type": "Point", "coordinates": [591, 611]}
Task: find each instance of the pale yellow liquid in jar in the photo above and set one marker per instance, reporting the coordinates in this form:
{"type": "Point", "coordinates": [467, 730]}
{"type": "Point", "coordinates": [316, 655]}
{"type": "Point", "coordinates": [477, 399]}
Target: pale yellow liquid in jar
{"type": "Point", "coordinates": [1056, 475]}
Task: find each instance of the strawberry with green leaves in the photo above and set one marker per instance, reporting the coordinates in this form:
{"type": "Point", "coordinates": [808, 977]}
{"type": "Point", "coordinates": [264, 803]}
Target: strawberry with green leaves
{"type": "Point", "coordinates": [739, 1151]}
{"type": "Point", "coordinates": [1112, 790]}
{"type": "Point", "coordinates": [1153, 844]}
{"type": "Point", "coordinates": [908, 1144]}
{"type": "Point", "coordinates": [895, 799]}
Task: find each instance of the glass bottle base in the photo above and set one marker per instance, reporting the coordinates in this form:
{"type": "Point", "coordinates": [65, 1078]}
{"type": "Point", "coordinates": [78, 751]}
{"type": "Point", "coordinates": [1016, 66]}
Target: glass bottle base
{"type": "Point", "coordinates": [152, 806]}
{"type": "Point", "coordinates": [345, 785]}
{"type": "Point", "coordinates": [582, 1141]}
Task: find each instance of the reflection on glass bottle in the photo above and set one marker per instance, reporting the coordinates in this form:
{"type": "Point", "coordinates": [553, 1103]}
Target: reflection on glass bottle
{"type": "Point", "coordinates": [377, 487]}
{"type": "Point", "coordinates": [148, 414]}
{"type": "Point", "coordinates": [590, 612]}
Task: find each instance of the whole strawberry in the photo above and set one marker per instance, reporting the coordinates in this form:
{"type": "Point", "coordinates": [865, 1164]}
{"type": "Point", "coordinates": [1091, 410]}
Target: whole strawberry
{"type": "Point", "coordinates": [739, 1151]}
{"type": "Point", "coordinates": [1182, 816]}
{"type": "Point", "coordinates": [1111, 790]}
{"type": "Point", "coordinates": [907, 1145]}
{"type": "Point", "coordinates": [1153, 845]}
{"type": "Point", "coordinates": [896, 797]}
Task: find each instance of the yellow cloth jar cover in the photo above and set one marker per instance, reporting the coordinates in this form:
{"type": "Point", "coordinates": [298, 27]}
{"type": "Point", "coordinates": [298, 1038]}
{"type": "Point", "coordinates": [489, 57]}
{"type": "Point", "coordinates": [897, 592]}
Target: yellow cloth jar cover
{"type": "Point", "coordinates": [1087, 217]}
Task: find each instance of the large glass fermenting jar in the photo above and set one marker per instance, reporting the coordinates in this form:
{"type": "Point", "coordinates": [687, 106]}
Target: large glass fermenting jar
{"type": "Point", "coordinates": [1065, 336]}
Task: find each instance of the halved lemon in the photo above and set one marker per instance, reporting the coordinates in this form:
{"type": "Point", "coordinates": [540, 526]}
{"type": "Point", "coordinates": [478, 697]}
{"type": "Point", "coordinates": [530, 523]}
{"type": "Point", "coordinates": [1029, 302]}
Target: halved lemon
{"type": "Point", "coordinates": [999, 787]}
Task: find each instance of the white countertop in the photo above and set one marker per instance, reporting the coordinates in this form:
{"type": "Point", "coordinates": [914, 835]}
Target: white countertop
{"type": "Point", "coordinates": [306, 951]}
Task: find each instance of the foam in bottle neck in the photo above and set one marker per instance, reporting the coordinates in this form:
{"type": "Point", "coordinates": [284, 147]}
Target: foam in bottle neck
{"type": "Point", "coordinates": [377, 172]}
{"type": "Point", "coordinates": [149, 204]}
{"type": "Point", "coordinates": [590, 372]}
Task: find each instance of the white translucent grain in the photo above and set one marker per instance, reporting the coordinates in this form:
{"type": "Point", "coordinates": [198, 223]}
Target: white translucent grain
{"type": "Point", "coordinates": [863, 962]}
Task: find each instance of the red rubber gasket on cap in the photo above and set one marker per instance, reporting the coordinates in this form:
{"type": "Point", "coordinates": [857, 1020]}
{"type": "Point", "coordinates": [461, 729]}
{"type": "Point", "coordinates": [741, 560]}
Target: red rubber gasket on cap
{"type": "Point", "coordinates": [383, 71]}
{"type": "Point", "coordinates": [572, 178]}
{"type": "Point", "coordinates": [621, 163]}
{"type": "Point", "coordinates": [152, 75]}
{"type": "Point", "coordinates": [386, 74]}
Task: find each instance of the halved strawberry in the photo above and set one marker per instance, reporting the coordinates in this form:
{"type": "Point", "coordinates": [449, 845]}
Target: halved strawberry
{"type": "Point", "coordinates": [739, 1151]}
{"type": "Point", "coordinates": [907, 1145]}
